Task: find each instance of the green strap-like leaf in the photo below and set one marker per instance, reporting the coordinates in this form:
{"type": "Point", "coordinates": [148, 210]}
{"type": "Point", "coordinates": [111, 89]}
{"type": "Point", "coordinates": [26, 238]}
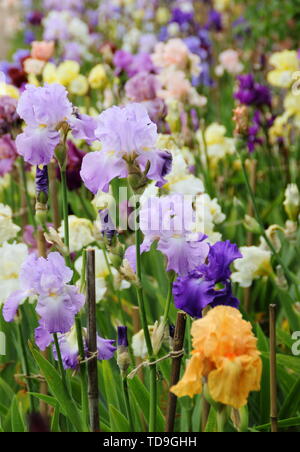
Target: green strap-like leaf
{"type": "Point", "coordinates": [17, 421]}
{"type": "Point", "coordinates": [56, 387]}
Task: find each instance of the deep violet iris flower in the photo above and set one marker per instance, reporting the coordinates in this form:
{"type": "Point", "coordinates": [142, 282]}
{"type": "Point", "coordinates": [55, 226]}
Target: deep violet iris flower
{"type": "Point", "coordinates": [209, 283]}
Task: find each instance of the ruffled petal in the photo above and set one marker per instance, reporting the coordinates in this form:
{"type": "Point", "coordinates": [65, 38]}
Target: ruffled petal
{"type": "Point", "coordinates": [105, 347]}
{"type": "Point", "coordinates": [37, 144]}
{"type": "Point", "coordinates": [83, 127]}
{"type": "Point", "coordinates": [12, 303]}
{"type": "Point", "coordinates": [160, 165]}
{"type": "Point", "coordinates": [183, 256]}
{"type": "Point", "coordinates": [232, 381]}
{"type": "Point", "coordinates": [193, 294]}
{"type": "Point", "coordinates": [220, 256]}
{"type": "Point", "coordinates": [57, 311]}
{"type": "Point", "coordinates": [99, 168]}
{"type": "Point", "coordinates": [130, 253]}
{"type": "Point", "coordinates": [42, 338]}
{"type": "Point", "coordinates": [191, 382]}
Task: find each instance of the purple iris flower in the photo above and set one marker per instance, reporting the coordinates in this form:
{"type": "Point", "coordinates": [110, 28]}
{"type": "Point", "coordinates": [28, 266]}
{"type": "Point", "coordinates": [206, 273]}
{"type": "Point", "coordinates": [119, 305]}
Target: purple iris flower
{"type": "Point", "coordinates": [143, 87]}
{"type": "Point", "coordinates": [125, 134]}
{"type": "Point", "coordinates": [8, 114]}
{"type": "Point", "coordinates": [168, 220]}
{"type": "Point", "coordinates": [41, 180]}
{"type": "Point", "coordinates": [73, 51]}
{"type": "Point", "coordinates": [252, 93]}
{"type": "Point", "coordinates": [182, 17]}
{"type": "Point", "coordinates": [259, 123]}
{"type": "Point", "coordinates": [58, 302]}
{"type": "Point", "coordinates": [122, 336]}
{"type": "Point", "coordinates": [8, 154]}
{"type": "Point", "coordinates": [29, 36]}
{"type": "Point", "coordinates": [20, 55]}
{"type": "Point", "coordinates": [214, 21]}
{"type": "Point", "coordinates": [34, 18]}
{"type": "Point", "coordinates": [44, 109]}
{"type": "Point", "coordinates": [132, 64]}
{"type": "Point", "coordinates": [209, 283]}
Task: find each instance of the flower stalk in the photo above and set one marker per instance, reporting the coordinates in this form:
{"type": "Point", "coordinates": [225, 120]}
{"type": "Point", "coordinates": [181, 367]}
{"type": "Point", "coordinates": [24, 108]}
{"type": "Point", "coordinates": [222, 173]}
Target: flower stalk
{"type": "Point", "coordinates": [93, 392]}
{"type": "Point", "coordinates": [140, 296]}
{"type": "Point", "coordinates": [291, 277]}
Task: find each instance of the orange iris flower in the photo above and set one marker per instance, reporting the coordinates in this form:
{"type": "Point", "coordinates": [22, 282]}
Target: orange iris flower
{"type": "Point", "coordinates": [225, 353]}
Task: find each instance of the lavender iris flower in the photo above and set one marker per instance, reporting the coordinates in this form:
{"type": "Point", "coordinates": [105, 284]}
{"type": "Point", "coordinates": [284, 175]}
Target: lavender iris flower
{"type": "Point", "coordinates": [132, 64]}
{"type": "Point", "coordinates": [209, 283]}
{"type": "Point", "coordinates": [58, 302]}
{"type": "Point", "coordinates": [68, 345]}
{"type": "Point", "coordinates": [143, 87]}
{"type": "Point", "coordinates": [168, 221]}
{"type": "Point", "coordinates": [126, 134]}
{"type": "Point", "coordinates": [44, 109]}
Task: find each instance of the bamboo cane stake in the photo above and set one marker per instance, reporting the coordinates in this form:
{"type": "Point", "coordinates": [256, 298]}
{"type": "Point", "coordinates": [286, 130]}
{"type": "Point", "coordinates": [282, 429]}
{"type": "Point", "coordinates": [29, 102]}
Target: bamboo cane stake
{"type": "Point", "coordinates": [273, 384]}
{"type": "Point", "coordinates": [93, 392]}
{"type": "Point", "coordinates": [175, 372]}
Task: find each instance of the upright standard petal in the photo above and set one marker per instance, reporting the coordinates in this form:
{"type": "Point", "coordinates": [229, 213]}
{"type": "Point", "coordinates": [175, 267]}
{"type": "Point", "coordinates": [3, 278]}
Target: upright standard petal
{"type": "Point", "coordinates": [220, 256]}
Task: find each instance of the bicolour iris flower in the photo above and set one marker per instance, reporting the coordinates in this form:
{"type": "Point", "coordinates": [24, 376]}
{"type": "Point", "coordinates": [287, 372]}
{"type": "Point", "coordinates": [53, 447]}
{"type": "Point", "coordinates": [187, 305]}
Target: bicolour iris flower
{"type": "Point", "coordinates": [47, 279]}
{"type": "Point", "coordinates": [208, 283]}
{"type": "Point", "coordinates": [226, 354]}
{"type": "Point", "coordinates": [168, 220]}
{"type": "Point", "coordinates": [127, 135]}
{"type": "Point", "coordinates": [44, 109]}
{"type": "Point", "coordinates": [68, 345]}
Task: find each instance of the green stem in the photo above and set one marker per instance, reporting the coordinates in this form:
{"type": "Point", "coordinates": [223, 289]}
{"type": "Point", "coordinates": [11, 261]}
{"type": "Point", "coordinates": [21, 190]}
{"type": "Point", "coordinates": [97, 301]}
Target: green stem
{"type": "Point", "coordinates": [87, 212]}
{"type": "Point", "coordinates": [83, 371]}
{"type": "Point", "coordinates": [82, 285]}
{"type": "Point", "coordinates": [221, 419]}
{"type": "Point", "coordinates": [169, 297]}
{"type": "Point", "coordinates": [291, 277]}
{"type": "Point", "coordinates": [110, 276]}
{"type": "Point", "coordinates": [209, 184]}
{"type": "Point", "coordinates": [65, 212]}
{"type": "Point", "coordinates": [25, 364]}
{"type": "Point", "coordinates": [60, 363]}
{"type": "Point", "coordinates": [28, 201]}
{"type": "Point", "coordinates": [127, 403]}
{"type": "Point", "coordinates": [140, 296]}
